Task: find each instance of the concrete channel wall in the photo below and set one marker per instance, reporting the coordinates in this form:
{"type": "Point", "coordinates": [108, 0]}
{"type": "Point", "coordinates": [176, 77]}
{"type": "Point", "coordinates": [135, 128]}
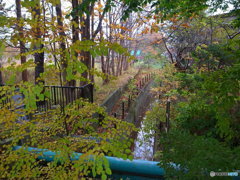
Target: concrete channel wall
{"type": "Point", "coordinates": [140, 105]}
{"type": "Point", "coordinates": [113, 98]}
{"type": "Point", "coordinates": [116, 95]}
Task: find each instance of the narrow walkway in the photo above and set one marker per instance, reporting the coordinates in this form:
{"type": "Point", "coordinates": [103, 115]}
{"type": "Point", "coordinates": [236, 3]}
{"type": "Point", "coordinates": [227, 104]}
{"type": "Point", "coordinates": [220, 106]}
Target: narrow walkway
{"type": "Point", "coordinates": [103, 91]}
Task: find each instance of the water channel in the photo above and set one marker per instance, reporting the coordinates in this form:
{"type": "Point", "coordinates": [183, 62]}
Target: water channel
{"type": "Point", "coordinates": [144, 146]}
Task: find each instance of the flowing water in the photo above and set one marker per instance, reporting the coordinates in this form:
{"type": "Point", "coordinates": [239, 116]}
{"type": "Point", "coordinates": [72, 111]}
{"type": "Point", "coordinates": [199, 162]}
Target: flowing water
{"type": "Point", "coordinates": [143, 146]}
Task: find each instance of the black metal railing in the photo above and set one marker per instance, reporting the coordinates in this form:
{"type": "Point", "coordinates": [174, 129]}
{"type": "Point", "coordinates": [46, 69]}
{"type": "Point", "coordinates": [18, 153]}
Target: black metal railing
{"type": "Point", "coordinates": [57, 96]}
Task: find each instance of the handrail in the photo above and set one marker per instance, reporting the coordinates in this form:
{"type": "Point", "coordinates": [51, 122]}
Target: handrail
{"type": "Point", "coordinates": [135, 167]}
{"type": "Point", "coordinates": [81, 87]}
{"type": "Point", "coordinates": [61, 95]}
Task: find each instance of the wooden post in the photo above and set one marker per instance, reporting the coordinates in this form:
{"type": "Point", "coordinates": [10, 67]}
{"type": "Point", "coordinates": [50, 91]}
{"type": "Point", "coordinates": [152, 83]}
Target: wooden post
{"type": "Point", "coordinates": [129, 101]}
{"type": "Point", "coordinates": [114, 125]}
{"type": "Point", "coordinates": [123, 110]}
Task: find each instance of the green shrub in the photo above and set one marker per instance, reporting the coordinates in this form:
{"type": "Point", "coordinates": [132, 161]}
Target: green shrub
{"type": "Point", "coordinates": [196, 156]}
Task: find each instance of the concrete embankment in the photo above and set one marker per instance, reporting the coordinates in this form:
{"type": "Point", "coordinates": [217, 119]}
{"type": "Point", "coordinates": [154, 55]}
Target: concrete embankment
{"type": "Point", "coordinates": [140, 105]}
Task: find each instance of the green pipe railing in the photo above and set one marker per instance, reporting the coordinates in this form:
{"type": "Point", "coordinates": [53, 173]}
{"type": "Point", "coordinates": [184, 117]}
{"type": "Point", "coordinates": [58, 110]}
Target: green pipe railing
{"type": "Point", "coordinates": [135, 169]}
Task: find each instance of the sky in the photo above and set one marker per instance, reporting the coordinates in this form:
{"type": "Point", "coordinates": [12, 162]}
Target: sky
{"type": "Point", "coordinates": [66, 4]}
{"type": "Point", "coordinates": [9, 3]}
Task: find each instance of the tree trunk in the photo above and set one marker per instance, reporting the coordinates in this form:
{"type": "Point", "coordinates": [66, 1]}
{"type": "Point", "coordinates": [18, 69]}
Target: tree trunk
{"type": "Point", "coordinates": [62, 42]}
{"type": "Point", "coordinates": [111, 52]}
{"type": "Point", "coordinates": [85, 33]}
{"type": "Point", "coordinates": [75, 35]}
{"type": "Point", "coordinates": [75, 26]}
{"type": "Point", "coordinates": [38, 46]}
{"type": "Point", "coordinates": [121, 65]}
{"type": "Point", "coordinates": [126, 63]}
{"type": "Point", "coordinates": [107, 69]}
{"type": "Point", "coordinates": [121, 56]}
{"type": "Point", "coordinates": [92, 33]}
{"type": "Point", "coordinates": [20, 32]}
{"type": "Point", "coordinates": [103, 65]}
{"type": "Point", "coordinates": [113, 64]}
{"type": "Point", "coordinates": [169, 52]}
{"type": "Point", "coordinates": [118, 65]}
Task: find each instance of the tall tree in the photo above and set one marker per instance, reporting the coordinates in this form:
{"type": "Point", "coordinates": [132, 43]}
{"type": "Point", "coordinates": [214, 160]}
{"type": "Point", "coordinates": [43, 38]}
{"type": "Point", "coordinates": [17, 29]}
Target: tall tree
{"type": "Point", "coordinates": [38, 45]}
{"type": "Point", "coordinates": [85, 35]}
{"type": "Point", "coordinates": [21, 37]}
{"type": "Point", "coordinates": [84, 10]}
{"type": "Point", "coordinates": [62, 35]}
{"type": "Point", "coordinates": [75, 32]}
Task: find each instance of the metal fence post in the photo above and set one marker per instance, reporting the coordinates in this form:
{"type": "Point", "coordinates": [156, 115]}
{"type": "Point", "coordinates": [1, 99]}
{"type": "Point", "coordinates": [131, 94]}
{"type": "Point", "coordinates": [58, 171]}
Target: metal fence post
{"type": "Point", "coordinates": [129, 101]}
{"type": "Point", "coordinates": [123, 110]}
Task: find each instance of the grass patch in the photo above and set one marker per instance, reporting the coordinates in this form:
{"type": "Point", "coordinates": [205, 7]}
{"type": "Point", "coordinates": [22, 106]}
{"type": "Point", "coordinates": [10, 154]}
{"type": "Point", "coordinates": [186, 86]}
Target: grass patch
{"type": "Point", "coordinates": [103, 91]}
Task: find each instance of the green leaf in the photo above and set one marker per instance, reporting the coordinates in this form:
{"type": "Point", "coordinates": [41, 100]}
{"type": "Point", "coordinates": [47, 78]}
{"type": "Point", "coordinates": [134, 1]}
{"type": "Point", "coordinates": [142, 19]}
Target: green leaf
{"type": "Point", "coordinates": [108, 171]}
{"type": "Point", "coordinates": [104, 176]}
